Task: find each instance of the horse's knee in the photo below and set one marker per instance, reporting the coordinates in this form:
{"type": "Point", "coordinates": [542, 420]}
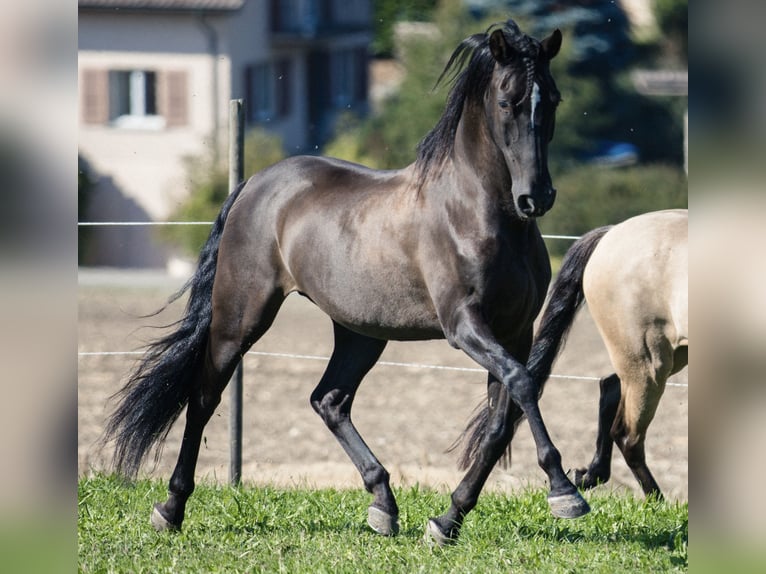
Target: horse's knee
{"type": "Point", "coordinates": [523, 391]}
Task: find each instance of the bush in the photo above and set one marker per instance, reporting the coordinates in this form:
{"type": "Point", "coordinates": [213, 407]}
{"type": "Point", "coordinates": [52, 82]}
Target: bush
{"type": "Point", "coordinates": [85, 187]}
{"type": "Point", "coordinates": [210, 187]}
{"type": "Point", "coordinates": [590, 196]}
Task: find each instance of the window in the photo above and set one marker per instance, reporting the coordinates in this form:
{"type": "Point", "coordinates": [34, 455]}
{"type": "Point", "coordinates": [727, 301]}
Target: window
{"type": "Point", "coordinates": [141, 99]}
{"type": "Point", "coordinates": [297, 16]}
{"type": "Point", "coordinates": [268, 92]}
{"type": "Point", "coordinates": [348, 77]}
{"type": "Point", "coordinates": [133, 99]}
{"type": "Point", "coordinates": [343, 77]}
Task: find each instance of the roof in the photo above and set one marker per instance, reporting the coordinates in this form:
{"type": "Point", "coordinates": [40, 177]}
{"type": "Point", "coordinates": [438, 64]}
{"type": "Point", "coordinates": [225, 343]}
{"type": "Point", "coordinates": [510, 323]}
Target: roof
{"type": "Point", "coordinates": [163, 5]}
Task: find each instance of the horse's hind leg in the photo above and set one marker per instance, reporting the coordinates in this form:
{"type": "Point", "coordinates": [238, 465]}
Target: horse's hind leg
{"type": "Point", "coordinates": [240, 318]}
{"type": "Point", "coordinates": [503, 417]}
{"type": "Point", "coordinates": [599, 470]}
{"type": "Point", "coordinates": [638, 405]}
{"type": "Point", "coordinates": [353, 356]}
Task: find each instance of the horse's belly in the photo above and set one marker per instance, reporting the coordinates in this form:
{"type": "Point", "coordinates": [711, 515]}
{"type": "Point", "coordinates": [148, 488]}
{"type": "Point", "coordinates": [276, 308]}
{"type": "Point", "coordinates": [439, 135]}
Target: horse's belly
{"type": "Point", "coordinates": [379, 309]}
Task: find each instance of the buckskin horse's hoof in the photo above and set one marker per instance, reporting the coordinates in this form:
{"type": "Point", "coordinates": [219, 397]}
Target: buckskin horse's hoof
{"type": "Point", "coordinates": [568, 505]}
{"type": "Point", "coordinates": [382, 522]}
{"type": "Point", "coordinates": [435, 536]}
{"type": "Point", "coordinates": [161, 523]}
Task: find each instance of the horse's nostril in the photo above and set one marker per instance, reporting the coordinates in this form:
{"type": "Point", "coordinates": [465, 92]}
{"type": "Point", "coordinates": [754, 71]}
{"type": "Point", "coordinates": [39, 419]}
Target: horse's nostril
{"type": "Point", "coordinates": [527, 205]}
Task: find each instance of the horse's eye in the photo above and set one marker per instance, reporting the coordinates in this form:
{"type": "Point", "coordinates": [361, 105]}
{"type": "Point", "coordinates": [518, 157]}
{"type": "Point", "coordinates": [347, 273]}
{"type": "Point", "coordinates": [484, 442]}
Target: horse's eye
{"type": "Point", "coordinates": [504, 104]}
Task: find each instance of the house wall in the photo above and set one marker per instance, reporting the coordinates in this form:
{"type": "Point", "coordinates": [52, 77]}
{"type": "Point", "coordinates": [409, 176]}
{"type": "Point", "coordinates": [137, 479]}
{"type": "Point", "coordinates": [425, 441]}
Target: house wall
{"type": "Point", "coordinates": [147, 164]}
{"type": "Point", "coordinates": [248, 41]}
{"type": "Point", "coordinates": [200, 63]}
{"type": "Point", "coordinates": [141, 169]}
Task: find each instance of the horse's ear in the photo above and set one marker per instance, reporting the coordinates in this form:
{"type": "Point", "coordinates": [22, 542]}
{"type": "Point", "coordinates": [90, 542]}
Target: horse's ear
{"type": "Point", "coordinates": [552, 44]}
{"type": "Point", "coordinates": [500, 48]}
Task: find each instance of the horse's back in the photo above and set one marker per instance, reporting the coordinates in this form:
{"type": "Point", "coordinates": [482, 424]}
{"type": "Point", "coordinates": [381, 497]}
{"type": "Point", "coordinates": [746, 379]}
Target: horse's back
{"type": "Point", "coordinates": [636, 282]}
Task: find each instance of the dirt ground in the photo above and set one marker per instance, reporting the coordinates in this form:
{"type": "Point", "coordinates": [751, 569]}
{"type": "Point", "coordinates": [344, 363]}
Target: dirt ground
{"type": "Point", "coordinates": [408, 415]}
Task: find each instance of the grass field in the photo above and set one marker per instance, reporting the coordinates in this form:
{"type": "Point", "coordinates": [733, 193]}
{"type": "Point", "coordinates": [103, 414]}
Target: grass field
{"type": "Point", "coordinates": [266, 529]}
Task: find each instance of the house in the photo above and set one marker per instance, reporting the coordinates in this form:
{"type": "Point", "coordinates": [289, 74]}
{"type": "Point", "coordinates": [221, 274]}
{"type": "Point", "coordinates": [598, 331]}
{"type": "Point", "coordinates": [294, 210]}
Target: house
{"type": "Point", "coordinates": [155, 78]}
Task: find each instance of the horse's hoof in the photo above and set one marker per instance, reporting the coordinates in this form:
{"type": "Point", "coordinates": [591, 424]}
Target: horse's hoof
{"type": "Point", "coordinates": [382, 522]}
{"type": "Point", "coordinates": [161, 523]}
{"type": "Point", "coordinates": [568, 505]}
{"type": "Point", "coordinates": [434, 535]}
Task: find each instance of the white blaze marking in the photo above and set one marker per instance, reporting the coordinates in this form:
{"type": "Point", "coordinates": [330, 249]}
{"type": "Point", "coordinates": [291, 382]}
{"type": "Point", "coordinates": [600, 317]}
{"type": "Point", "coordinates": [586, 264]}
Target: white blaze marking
{"type": "Point", "coordinates": [535, 101]}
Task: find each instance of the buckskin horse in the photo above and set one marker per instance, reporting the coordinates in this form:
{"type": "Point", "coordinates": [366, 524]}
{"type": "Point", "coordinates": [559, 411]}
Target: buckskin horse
{"type": "Point", "coordinates": [447, 247]}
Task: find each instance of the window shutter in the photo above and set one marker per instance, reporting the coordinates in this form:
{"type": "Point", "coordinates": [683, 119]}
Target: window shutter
{"type": "Point", "coordinates": [174, 101]}
{"type": "Point", "coordinates": [95, 96]}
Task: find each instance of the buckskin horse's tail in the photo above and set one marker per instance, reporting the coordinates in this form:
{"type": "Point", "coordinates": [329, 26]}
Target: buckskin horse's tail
{"type": "Point", "coordinates": [565, 298]}
{"type": "Point", "coordinates": [159, 388]}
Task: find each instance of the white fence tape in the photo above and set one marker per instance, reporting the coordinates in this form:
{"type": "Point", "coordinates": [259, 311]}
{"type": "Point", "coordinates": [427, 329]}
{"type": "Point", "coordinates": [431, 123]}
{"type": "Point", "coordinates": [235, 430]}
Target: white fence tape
{"type": "Point", "coordinates": [383, 363]}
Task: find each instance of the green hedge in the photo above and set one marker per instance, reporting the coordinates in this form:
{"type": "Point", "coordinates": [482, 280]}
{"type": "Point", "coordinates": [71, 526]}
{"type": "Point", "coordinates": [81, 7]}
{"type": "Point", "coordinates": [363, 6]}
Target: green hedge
{"type": "Point", "coordinates": [590, 196]}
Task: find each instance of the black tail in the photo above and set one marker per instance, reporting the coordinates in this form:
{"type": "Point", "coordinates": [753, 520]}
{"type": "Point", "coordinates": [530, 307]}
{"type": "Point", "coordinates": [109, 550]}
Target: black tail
{"type": "Point", "coordinates": [159, 389]}
{"type": "Point", "coordinates": [564, 299]}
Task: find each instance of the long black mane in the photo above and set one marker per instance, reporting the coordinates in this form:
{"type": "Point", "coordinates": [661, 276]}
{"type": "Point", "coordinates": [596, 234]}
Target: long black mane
{"type": "Point", "coordinates": [469, 83]}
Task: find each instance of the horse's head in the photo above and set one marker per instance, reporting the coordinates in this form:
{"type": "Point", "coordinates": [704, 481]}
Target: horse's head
{"type": "Point", "coordinates": [520, 104]}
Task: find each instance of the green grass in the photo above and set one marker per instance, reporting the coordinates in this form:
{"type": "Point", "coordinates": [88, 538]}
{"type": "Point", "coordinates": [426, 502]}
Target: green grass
{"type": "Point", "coordinates": [262, 529]}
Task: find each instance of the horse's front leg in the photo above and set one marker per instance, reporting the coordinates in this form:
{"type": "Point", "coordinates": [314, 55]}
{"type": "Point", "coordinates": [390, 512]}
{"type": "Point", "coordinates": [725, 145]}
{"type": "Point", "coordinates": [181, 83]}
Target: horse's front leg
{"type": "Point", "coordinates": [353, 356]}
{"type": "Point", "coordinates": [474, 337]}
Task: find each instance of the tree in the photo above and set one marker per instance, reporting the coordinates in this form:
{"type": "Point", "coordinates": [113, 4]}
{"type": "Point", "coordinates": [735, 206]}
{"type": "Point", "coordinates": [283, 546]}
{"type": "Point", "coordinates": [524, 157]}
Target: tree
{"type": "Point", "coordinates": [599, 30]}
{"type": "Point", "coordinates": [388, 12]}
{"type": "Point", "coordinates": [389, 140]}
{"type": "Point", "coordinates": [209, 183]}
{"type": "Point", "coordinates": [673, 21]}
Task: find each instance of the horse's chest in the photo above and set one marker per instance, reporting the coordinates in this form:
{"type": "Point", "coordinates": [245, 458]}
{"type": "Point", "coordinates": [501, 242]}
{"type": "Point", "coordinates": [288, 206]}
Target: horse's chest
{"type": "Point", "coordinates": [513, 288]}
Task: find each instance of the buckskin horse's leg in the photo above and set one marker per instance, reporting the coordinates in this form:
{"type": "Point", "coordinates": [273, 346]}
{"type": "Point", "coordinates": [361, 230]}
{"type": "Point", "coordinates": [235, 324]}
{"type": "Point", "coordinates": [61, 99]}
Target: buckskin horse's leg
{"type": "Point", "coordinates": [475, 338]}
{"type": "Point", "coordinates": [353, 356]}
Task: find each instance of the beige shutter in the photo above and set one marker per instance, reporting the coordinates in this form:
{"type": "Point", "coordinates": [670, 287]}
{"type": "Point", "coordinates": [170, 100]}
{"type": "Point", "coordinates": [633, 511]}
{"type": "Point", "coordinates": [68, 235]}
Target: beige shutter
{"type": "Point", "coordinates": [174, 97]}
{"type": "Point", "coordinates": [94, 96]}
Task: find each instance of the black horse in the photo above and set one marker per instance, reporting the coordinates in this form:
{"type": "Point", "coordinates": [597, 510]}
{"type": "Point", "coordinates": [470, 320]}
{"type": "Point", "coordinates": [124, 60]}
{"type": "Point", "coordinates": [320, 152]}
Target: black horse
{"type": "Point", "coordinates": [447, 248]}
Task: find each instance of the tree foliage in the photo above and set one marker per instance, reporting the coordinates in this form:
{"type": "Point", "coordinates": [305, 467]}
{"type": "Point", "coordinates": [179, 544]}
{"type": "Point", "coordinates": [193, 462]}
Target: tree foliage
{"type": "Point", "coordinates": [599, 103]}
{"type": "Point", "coordinates": [85, 187]}
{"type": "Point", "coordinates": [386, 15]}
{"type": "Point", "coordinates": [209, 183]}
{"type": "Point", "coordinates": [389, 139]}
{"type": "Point", "coordinates": [591, 196]}
{"type": "Point", "coordinates": [673, 21]}
{"type": "Point", "coordinates": [599, 34]}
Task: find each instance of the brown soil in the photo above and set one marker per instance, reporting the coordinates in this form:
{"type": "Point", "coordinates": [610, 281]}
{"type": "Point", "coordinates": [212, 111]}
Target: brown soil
{"type": "Point", "coordinates": [409, 416]}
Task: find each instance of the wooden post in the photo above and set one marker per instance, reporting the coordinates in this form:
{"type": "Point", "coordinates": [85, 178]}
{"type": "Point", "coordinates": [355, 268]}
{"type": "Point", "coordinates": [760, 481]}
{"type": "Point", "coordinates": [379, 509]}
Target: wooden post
{"type": "Point", "coordinates": [236, 175]}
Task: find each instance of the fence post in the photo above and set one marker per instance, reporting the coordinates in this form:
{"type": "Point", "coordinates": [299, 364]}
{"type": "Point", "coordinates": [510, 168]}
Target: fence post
{"type": "Point", "coordinates": [236, 175]}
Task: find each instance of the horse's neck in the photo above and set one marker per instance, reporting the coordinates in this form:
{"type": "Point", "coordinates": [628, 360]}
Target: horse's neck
{"type": "Point", "coordinates": [478, 164]}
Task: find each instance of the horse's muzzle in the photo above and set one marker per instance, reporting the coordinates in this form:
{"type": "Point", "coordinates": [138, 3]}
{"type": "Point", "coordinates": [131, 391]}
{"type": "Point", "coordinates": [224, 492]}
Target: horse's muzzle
{"type": "Point", "coordinates": [537, 206]}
